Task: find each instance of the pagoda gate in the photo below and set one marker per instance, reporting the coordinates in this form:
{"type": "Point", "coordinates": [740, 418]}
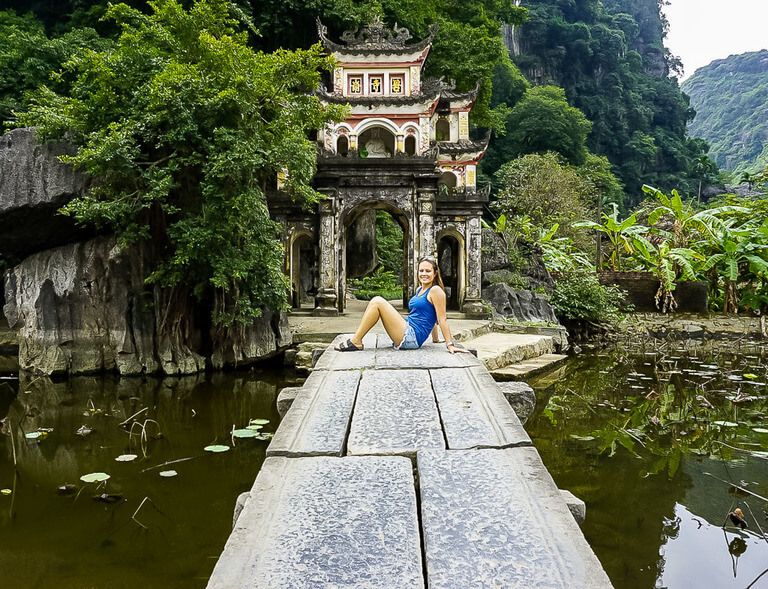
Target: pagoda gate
{"type": "Point", "coordinates": [405, 148]}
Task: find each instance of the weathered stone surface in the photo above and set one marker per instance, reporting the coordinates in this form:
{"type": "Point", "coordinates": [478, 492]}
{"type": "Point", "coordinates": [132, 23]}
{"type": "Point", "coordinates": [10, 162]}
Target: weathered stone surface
{"type": "Point", "coordinates": [575, 505]}
{"type": "Point", "coordinates": [494, 518]}
{"type": "Point", "coordinates": [473, 411]}
{"type": "Point", "coordinates": [326, 522]}
{"type": "Point", "coordinates": [495, 251]}
{"type": "Point", "coordinates": [240, 502]}
{"type": "Point", "coordinates": [521, 305]}
{"type": "Point", "coordinates": [334, 360]}
{"type": "Point", "coordinates": [318, 420]}
{"type": "Point", "coordinates": [84, 307]}
{"type": "Point", "coordinates": [520, 397]}
{"type": "Point", "coordinates": [285, 399]}
{"type": "Point", "coordinates": [395, 413]}
{"type": "Point", "coordinates": [262, 339]}
{"type": "Point", "coordinates": [427, 356]}
{"type": "Point", "coordinates": [34, 184]}
{"type": "Point", "coordinates": [501, 349]}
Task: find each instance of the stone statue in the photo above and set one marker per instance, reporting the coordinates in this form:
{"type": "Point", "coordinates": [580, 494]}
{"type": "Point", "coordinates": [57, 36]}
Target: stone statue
{"type": "Point", "coordinates": [375, 147]}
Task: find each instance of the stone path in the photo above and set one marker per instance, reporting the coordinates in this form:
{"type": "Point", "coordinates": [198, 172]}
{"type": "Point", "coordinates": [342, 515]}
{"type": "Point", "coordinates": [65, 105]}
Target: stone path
{"type": "Point", "coordinates": [404, 469]}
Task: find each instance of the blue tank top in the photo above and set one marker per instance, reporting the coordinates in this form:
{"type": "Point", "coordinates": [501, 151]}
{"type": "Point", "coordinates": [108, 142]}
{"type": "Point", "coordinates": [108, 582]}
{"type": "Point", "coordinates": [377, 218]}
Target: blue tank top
{"type": "Point", "coordinates": [422, 316]}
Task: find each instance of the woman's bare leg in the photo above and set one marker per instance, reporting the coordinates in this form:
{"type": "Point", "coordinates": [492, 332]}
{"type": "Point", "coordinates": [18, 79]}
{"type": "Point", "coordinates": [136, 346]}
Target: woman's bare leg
{"type": "Point", "coordinates": [380, 308]}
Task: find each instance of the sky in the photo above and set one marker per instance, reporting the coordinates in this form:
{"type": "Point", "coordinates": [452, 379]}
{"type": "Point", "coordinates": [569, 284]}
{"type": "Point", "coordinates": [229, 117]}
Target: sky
{"type": "Point", "coordinates": [701, 31]}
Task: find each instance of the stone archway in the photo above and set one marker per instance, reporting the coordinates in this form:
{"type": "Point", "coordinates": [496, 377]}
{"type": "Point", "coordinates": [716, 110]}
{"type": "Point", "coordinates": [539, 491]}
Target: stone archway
{"type": "Point", "coordinates": [452, 262]}
{"type": "Point", "coordinates": [349, 219]}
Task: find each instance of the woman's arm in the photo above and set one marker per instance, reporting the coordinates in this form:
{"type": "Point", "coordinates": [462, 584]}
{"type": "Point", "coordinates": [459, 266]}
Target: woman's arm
{"type": "Point", "coordinates": [435, 336]}
{"type": "Point", "coordinates": [436, 296]}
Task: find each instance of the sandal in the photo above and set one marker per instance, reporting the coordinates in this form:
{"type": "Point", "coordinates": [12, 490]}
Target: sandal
{"type": "Point", "coordinates": [348, 346]}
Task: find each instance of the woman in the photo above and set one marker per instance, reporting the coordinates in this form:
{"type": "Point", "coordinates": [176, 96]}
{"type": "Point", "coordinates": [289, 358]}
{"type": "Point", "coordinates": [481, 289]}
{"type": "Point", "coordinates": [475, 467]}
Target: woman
{"type": "Point", "coordinates": [427, 311]}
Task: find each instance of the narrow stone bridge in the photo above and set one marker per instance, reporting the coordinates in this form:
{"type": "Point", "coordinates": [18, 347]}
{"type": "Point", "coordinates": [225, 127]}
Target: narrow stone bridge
{"type": "Point", "coordinates": [404, 469]}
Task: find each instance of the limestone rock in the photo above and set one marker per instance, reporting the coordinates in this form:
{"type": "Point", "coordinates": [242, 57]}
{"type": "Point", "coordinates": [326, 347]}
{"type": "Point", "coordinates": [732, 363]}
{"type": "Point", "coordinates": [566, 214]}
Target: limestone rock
{"type": "Point", "coordinates": [84, 307]}
{"type": "Point", "coordinates": [576, 506]}
{"type": "Point", "coordinates": [522, 305]}
{"type": "Point", "coordinates": [520, 396]}
{"type": "Point", "coordinates": [495, 256]}
{"type": "Point", "coordinates": [34, 184]}
{"type": "Point", "coordinates": [285, 399]}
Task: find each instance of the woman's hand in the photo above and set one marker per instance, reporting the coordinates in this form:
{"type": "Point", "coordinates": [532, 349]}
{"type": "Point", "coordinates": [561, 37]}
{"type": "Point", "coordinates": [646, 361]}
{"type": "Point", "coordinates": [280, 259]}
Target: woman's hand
{"type": "Point", "coordinates": [453, 349]}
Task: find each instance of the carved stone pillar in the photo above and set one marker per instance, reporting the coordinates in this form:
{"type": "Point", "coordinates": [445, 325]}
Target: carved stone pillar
{"type": "Point", "coordinates": [327, 293]}
{"type": "Point", "coordinates": [426, 208]}
{"type": "Point", "coordinates": [472, 302]}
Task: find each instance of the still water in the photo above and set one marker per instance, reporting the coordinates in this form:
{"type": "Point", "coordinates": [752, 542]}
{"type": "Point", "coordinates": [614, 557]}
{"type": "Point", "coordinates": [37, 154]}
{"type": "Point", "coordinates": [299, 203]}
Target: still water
{"type": "Point", "coordinates": [51, 537]}
{"type": "Point", "coordinates": [651, 443]}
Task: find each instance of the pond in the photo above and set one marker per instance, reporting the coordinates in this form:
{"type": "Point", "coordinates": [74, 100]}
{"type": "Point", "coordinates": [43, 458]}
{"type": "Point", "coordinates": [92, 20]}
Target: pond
{"type": "Point", "coordinates": [654, 443]}
{"type": "Point", "coordinates": [138, 528]}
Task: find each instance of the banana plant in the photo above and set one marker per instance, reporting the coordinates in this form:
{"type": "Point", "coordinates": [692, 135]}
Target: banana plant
{"type": "Point", "coordinates": [669, 265]}
{"type": "Point", "coordinates": [738, 255]}
{"type": "Point", "coordinates": [622, 235]}
{"type": "Point", "coordinates": [683, 221]}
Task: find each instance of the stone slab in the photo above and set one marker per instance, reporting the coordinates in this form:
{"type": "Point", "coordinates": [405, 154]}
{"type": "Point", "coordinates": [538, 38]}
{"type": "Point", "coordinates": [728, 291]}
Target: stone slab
{"type": "Point", "coordinates": [530, 367]}
{"type": "Point", "coordinates": [395, 413]}
{"type": "Point", "coordinates": [326, 522]}
{"type": "Point", "coordinates": [427, 356]}
{"type": "Point", "coordinates": [473, 410]}
{"type": "Point", "coordinates": [334, 360]}
{"type": "Point", "coordinates": [318, 420]}
{"type": "Point", "coordinates": [494, 518]}
{"type": "Point", "coordinates": [497, 350]}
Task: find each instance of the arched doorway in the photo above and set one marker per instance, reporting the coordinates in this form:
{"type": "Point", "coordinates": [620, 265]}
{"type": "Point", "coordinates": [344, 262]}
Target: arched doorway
{"type": "Point", "coordinates": [383, 268]}
{"type": "Point", "coordinates": [303, 263]}
{"type": "Point", "coordinates": [442, 130]}
{"type": "Point", "coordinates": [450, 259]}
{"type": "Point", "coordinates": [410, 145]}
{"type": "Point", "coordinates": [342, 146]}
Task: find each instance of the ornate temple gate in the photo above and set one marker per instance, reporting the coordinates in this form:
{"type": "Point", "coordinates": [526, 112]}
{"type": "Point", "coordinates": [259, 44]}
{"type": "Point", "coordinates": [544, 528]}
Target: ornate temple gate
{"type": "Point", "coordinates": [406, 148]}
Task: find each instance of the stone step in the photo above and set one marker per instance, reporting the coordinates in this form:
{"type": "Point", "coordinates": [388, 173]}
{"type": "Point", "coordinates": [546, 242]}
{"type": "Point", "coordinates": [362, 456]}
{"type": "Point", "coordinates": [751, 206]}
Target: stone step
{"type": "Point", "coordinates": [497, 350]}
{"type": "Point", "coordinates": [528, 368]}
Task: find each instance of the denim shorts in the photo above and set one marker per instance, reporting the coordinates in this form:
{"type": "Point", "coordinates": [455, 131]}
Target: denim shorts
{"type": "Point", "coordinates": [409, 340]}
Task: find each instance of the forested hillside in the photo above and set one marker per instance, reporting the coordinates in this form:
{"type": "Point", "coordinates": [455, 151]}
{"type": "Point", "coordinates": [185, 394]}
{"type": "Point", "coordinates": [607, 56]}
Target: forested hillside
{"type": "Point", "coordinates": [610, 58]}
{"type": "Point", "coordinates": [731, 101]}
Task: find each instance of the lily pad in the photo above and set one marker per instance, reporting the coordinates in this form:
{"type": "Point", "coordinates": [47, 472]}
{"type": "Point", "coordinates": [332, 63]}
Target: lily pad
{"type": "Point", "coordinates": [216, 448]}
{"type": "Point", "coordinates": [725, 423]}
{"type": "Point", "coordinates": [254, 427]}
{"type": "Point", "coordinates": [5, 491]}
{"type": "Point", "coordinates": [95, 477]}
{"type": "Point", "coordinates": [33, 435]}
{"type": "Point", "coordinates": [582, 438]}
{"type": "Point", "coordinates": [760, 430]}
{"type": "Point", "coordinates": [244, 433]}
{"type": "Point", "coordinates": [258, 421]}
{"type": "Point", "coordinates": [168, 473]}
{"type": "Point", "coordinates": [749, 375]}
{"type": "Point", "coordinates": [126, 458]}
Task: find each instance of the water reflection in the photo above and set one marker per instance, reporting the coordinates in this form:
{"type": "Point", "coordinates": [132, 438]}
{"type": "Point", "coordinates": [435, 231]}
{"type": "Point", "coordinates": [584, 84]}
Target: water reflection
{"type": "Point", "coordinates": [639, 438]}
{"type": "Point", "coordinates": [68, 540]}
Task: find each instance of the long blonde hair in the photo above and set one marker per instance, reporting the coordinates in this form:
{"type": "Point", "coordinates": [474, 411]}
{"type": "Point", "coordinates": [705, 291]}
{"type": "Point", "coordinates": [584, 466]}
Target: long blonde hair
{"type": "Point", "coordinates": [432, 260]}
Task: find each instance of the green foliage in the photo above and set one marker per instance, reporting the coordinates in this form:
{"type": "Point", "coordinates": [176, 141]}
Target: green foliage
{"type": "Point", "coordinates": [729, 96]}
{"type": "Point", "coordinates": [28, 57]}
{"type": "Point", "coordinates": [622, 234]}
{"type": "Point", "coordinates": [543, 188]}
{"type": "Point", "coordinates": [383, 283]}
{"type": "Point", "coordinates": [580, 296]}
{"type": "Point", "coordinates": [186, 127]}
{"type": "Point", "coordinates": [389, 244]}
{"type": "Point", "coordinates": [542, 121]}
{"type": "Point", "coordinates": [610, 59]}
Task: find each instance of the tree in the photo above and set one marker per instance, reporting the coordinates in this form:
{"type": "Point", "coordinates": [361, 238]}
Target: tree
{"type": "Point", "coordinates": [28, 57]}
{"type": "Point", "coordinates": [545, 189]}
{"type": "Point", "coordinates": [622, 234]}
{"type": "Point", "coordinates": [185, 127]}
{"type": "Point", "coordinates": [542, 121]}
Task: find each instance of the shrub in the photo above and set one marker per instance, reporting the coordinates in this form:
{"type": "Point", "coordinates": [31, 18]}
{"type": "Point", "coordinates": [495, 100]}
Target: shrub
{"type": "Point", "coordinates": [580, 296]}
{"type": "Point", "coordinates": [381, 283]}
